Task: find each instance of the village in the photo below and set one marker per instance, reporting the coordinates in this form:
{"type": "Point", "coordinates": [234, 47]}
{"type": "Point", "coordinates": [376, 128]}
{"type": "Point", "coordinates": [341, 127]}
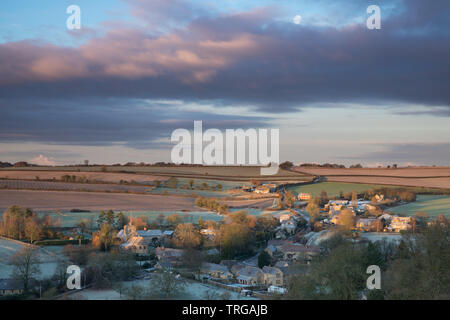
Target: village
{"type": "Point", "coordinates": [295, 241]}
{"type": "Point", "coordinates": [254, 249]}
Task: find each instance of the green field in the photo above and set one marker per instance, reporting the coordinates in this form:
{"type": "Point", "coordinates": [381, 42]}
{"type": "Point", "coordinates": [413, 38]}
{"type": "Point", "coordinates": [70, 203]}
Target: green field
{"type": "Point", "coordinates": [333, 188]}
{"type": "Point", "coordinates": [431, 204]}
{"type": "Point", "coordinates": [71, 219]}
{"type": "Point", "coordinates": [226, 186]}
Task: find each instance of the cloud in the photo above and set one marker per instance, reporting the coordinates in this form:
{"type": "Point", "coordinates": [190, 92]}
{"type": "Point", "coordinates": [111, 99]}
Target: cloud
{"type": "Point", "coordinates": [94, 93]}
{"type": "Point", "coordinates": [244, 58]}
{"type": "Point", "coordinates": [100, 122]}
{"type": "Point", "coordinates": [42, 160]}
{"type": "Point", "coordinates": [407, 153]}
{"type": "Point", "coordinates": [433, 111]}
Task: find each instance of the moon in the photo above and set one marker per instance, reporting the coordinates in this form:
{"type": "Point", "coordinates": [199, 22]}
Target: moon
{"type": "Point", "coordinates": [297, 19]}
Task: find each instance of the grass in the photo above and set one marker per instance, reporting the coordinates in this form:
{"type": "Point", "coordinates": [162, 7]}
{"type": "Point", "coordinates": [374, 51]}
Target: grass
{"type": "Point", "coordinates": [333, 188]}
{"type": "Point", "coordinates": [70, 219]}
{"type": "Point", "coordinates": [433, 205]}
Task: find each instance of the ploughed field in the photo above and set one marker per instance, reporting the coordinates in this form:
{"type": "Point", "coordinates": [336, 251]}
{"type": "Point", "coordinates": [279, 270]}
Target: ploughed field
{"type": "Point", "coordinates": [70, 186]}
{"type": "Point", "coordinates": [231, 173]}
{"type": "Point", "coordinates": [113, 177]}
{"type": "Point", "coordinates": [67, 200]}
{"type": "Point", "coordinates": [428, 177]}
{"type": "Point", "coordinates": [182, 188]}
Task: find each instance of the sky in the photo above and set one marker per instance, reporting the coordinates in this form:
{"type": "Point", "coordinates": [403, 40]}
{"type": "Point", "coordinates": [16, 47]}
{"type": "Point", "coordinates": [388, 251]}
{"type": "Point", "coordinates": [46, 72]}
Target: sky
{"type": "Point", "coordinates": [114, 90]}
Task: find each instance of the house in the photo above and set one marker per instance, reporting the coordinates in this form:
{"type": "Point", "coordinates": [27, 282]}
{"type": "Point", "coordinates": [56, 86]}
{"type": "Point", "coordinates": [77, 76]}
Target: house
{"type": "Point", "coordinates": [10, 287]}
{"type": "Point", "coordinates": [272, 186]}
{"type": "Point", "coordinates": [250, 276]}
{"type": "Point", "coordinates": [271, 250]}
{"type": "Point", "coordinates": [335, 219]}
{"type": "Point", "coordinates": [127, 232]}
{"type": "Point", "coordinates": [228, 263]}
{"type": "Point", "coordinates": [386, 217]}
{"type": "Point", "coordinates": [137, 245]}
{"type": "Point", "coordinates": [152, 235]}
{"type": "Point", "coordinates": [212, 252]}
{"type": "Point", "coordinates": [371, 207]}
{"type": "Point", "coordinates": [168, 233]}
{"type": "Point", "coordinates": [379, 197]}
{"type": "Point", "coordinates": [334, 211]}
{"type": "Point", "coordinates": [283, 217]}
{"type": "Point", "coordinates": [364, 224]}
{"type": "Point", "coordinates": [169, 255]}
{"type": "Point", "coordinates": [299, 252]}
{"type": "Point", "coordinates": [217, 271]}
{"type": "Point", "coordinates": [304, 196]}
{"type": "Point", "coordinates": [131, 237]}
{"type": "Point", "coordinates": [336, 204]}
{"type": "Point", "coordinates": [209, 233]}
{"type": "Point", "coordinates": [272, 276]}
{"type": "Point", "coordinates": [288, 226]}
{"type": "Point", "coordinates": [262, 189]}
{"type": "Point", "coordinates": [277, 290]}
{"type": "Point", "coordinates": [266, 188]}
{"type": "Point", "coordinates": [236, 268]}
{"type": "Point", "coordinates": [400, 223]}
{"type": "Point", "coordinates": [278, 243]}
{"type": "Point", "coordinates": [282, 264]}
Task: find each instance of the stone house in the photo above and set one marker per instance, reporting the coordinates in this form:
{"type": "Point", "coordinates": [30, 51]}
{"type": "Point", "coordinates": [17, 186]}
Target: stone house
{"type": "Point", "coordinates": [272, 276]}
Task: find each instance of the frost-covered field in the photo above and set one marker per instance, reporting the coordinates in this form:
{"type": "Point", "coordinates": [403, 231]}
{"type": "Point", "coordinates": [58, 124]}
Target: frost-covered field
{"type": "Point", "coordinates": [9, 247]}
{"type": "Point", "coordinates": [431, 204]}
{"type": "Point", "coordinates": [193, 291]}
{"type": "Point", "coordinates": [379, 236]}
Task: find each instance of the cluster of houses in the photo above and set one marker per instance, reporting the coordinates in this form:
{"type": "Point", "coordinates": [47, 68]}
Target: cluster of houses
{"type": "Point", "coordinates": [263, 188]}
{"type": "Point", "coordinates": [284, 254]}
{"type": "Point", "coordinates": [390, 223]}
{"type": "Point", "coordinates": [140, 241]}
{"type": "Point", "coordinates": [288, 225]}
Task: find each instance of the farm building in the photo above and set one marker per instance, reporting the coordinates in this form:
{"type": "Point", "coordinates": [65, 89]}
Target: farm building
{"type": "Point", "coordinates": [304, 196]}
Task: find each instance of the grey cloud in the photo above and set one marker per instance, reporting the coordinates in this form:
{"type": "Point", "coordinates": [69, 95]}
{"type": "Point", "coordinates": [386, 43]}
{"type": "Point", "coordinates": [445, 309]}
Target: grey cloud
{"type": "Point", "coordinates": [418, 153]}
{"type": "Point", "coordinates": [96, 122]}
{"type": "Point", "coordinates": [92, 94]}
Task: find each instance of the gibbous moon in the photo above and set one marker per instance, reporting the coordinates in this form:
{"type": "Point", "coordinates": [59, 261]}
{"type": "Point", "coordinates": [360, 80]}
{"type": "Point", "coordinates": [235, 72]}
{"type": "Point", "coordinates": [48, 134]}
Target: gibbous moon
{"type": "Point", "coordinates": [297, 19]}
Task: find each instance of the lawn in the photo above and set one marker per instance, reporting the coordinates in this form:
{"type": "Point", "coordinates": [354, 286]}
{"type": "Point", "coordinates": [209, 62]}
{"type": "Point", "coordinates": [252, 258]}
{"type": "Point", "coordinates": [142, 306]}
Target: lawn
{"type": "Point", "coordinates": [333, 188]}
{"type": "Point", "coordinates": [433, 205]}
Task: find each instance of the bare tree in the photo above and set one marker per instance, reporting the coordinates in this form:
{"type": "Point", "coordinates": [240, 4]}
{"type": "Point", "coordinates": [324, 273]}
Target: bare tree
{"type": "Point", "coordinates": [26, 265]}
{"type": "Point", "coordinates": [135, 292]}
{"type": "Point", "coordinates": [167, 285]}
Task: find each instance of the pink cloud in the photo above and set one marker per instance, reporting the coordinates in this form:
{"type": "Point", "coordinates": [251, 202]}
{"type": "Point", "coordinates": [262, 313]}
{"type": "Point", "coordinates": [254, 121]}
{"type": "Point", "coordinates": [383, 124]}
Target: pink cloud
{"type": "Point", "coordinates": [125, 54]}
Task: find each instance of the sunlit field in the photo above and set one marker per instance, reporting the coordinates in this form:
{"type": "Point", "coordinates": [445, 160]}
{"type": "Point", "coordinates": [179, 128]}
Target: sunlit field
{"type": "Point", "coordinates": [71, 219]}
{"type": "Point", "coordinates": [431, 204]}
{"type": "Point", "coordinates": [238, 173]}
{"type": "Point", "coordinates": [333, 188]}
